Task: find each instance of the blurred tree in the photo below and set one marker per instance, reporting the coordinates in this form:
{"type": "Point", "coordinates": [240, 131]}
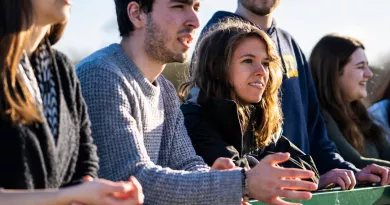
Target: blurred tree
{"type": "Point", "coordinates": [177, 73]}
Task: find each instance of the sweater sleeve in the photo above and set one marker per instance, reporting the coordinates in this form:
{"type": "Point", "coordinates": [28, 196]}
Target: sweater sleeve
{"type": "Point", "coordinates": [323, 150]}
{"type": "Point", "coordinates": [346, 149]}
{"type": "Point", "coordinates": [183, 156]}
{"type": "Point", "coordinates": [87, 161]}
{"type": "Point", "coordinates": [123, 153]}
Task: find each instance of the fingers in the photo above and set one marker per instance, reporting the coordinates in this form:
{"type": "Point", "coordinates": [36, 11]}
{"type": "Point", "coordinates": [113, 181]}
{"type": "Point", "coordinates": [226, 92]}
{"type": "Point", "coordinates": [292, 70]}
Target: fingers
{"type": "Point", "coordinates": [340, 182]}
{"type": "Point", "coordinates": [138, 194]}
{"type": "Point", "coordinates": [343, 180]}
{"type": "Point", "coordinates": [382, 171]}
{"type": "Point", "coordinates": [297, 185]}
{"type": "Point", "coordinates": [136, 184]}
{"type": "Point", "coordinates": [223, 164]}
{"type": "Point", "coordinates": [87, 178]}
{"type": "Point", "coordinates": [110, 187]}
{"type": "Point", "coordinates": [276, 158]}
{"type": "Point", "coordinates": [352, 178]}
{"type": "Point", "coordinates": [388, 178]}
{"type": "Point", "coordinates": [379, 170]}
{"type": "Point", "coordinates": [295, 195]}
{"type": "Point", "coordinates": [367, 177]}
{"type": "Point", "coordinates": [294, 173]}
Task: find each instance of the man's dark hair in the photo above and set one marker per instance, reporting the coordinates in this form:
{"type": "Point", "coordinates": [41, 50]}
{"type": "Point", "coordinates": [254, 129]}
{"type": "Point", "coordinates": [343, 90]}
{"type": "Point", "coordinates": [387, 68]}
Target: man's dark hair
{"type": "Point", "coordinates": [124, 23]}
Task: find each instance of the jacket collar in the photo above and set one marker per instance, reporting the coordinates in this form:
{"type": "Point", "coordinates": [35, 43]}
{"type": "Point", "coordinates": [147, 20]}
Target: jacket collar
{"type": "Point", "coordinates": [224, 115]}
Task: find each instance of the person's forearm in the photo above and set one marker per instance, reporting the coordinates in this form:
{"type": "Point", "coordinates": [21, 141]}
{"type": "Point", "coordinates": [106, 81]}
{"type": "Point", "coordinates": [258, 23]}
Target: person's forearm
{"type": "Point", "coordinates": [37, 197]}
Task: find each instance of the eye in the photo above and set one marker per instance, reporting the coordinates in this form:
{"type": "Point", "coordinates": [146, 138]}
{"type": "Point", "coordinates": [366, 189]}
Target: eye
{"type": "Point", "coordinates": [248, 60]}
{"type": "Point", "coordinates": [360, 66]}
{"type": "Point", "coordinates": [265, 64]}
{"type": "Point", "coordinates": [178, 6]}
{"type": "Point", "coordinates": [196, 8]}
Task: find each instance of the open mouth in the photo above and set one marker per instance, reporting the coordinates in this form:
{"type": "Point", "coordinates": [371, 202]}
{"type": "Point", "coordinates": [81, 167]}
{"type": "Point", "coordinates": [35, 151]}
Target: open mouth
{"type": "Point", "coordinates": [257, 85]}
{"type": "Point", "coordinates": [186, 41]}
{"type": "Point", "coordinates": [69, 2]}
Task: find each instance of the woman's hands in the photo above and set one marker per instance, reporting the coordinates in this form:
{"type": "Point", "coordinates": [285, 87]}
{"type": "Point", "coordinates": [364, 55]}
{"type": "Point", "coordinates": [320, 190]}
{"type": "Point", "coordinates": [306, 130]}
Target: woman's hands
{"type": "Point", "coordinates": [104, 192]}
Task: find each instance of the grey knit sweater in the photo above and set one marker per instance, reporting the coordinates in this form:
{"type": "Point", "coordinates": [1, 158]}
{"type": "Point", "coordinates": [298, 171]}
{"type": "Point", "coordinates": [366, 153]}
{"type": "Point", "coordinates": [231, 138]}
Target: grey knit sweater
{"type": "Point", "coordinates": [139, 130]}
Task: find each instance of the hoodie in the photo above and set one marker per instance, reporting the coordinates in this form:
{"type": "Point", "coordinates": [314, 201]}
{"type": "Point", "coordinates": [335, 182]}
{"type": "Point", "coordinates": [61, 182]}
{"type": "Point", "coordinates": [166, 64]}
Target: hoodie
{"type": "Point", "coordinates": [303, 124]}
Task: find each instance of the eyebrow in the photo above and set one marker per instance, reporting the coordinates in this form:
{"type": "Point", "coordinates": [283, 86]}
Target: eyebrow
{"type": "Point", "coordinates": [189, 2]}
{"type": "Point", "coordinates": [251, 55]}
{"type": "Point", "coordinates": [247, 55]}
{"type": "Point", "coordinates": [361, 62]}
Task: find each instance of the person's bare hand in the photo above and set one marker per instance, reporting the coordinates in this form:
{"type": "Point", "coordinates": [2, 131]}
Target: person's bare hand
{"type": "Point", "coordinates": [342, 177]}
{"type": "Point", "coordinates": [223, 164]}
{"type": "Point", "coordinates": [373, 174]}
{"type": "Point", "coordinates": [267, 182]}
{"type": "Point", "coordinates": [100, 191]}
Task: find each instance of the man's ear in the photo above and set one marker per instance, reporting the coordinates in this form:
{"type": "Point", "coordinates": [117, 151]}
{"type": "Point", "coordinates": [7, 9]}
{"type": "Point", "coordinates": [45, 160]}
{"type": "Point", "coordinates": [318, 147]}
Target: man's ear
{"type": "Point", "coordinates": [136, 15]}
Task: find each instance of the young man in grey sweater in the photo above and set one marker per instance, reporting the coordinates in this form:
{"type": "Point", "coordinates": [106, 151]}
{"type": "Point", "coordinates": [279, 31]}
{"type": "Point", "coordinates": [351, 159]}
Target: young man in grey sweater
{"type": "Point", "coordinates": [139, 129]}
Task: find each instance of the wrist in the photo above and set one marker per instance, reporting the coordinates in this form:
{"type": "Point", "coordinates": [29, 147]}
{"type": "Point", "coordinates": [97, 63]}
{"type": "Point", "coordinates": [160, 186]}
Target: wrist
{"type": "Point", "coordinates": [244, 184]}
{"type": "Point", "coordinates": [64, 196]}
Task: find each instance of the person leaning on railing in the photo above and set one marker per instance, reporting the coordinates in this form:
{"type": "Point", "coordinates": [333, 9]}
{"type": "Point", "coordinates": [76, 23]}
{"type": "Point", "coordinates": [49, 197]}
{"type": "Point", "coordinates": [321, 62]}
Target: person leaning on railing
{"type": "Point", "coordinates": [340, 71]}
{"type": "Point", "coordinates": [233, 108]}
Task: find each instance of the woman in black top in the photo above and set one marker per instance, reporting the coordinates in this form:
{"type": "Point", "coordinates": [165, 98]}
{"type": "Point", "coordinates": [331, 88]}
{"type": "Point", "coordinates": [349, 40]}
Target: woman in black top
{"type": "Point", "coordinates": [233, 109]}
{"type": "Point", "coordinates": [45, 137]}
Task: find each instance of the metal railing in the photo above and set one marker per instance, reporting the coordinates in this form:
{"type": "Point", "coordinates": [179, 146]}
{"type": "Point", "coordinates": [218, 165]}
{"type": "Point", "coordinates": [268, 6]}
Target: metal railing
{"type": "Point", "coordinates": [357, 196]}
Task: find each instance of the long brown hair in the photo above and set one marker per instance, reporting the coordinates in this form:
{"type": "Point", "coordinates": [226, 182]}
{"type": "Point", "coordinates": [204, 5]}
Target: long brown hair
{"type": "Point", "coordinates": [210, 72]}
{"type": "Point", "coordinates": [16, 20]}
{"type": "Point", "coordinates": [327, 62]}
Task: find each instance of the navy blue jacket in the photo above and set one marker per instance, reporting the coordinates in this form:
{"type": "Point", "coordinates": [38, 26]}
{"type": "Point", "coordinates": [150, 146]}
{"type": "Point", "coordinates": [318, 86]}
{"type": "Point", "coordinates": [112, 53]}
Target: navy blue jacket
{"type": "Point", "coordinates": [303, 124]}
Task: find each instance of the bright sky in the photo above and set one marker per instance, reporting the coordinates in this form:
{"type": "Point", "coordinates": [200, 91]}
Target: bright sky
{"type": "Point", "coordinates": [93, 23]}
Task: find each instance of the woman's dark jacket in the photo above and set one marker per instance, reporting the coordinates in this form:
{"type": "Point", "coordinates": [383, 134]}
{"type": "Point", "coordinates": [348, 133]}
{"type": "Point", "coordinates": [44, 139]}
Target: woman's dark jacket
{"type": "Point", "coordinates": [29, 158]}
{"type": "Point", "coordinates": [215, 131]}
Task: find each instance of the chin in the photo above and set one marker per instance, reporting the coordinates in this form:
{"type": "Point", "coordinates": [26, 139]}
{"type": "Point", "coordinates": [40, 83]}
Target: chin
{"type": "Point", "coordinates": [180, 57]}
{"type": "Point", "coordinates": [63, 15]}
{"type": "Point", "coordinates": [255, 101]}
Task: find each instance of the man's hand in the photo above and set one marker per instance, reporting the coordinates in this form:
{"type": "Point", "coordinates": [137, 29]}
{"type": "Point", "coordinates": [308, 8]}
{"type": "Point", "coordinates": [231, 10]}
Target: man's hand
{"type": "Point", "coordinates": [268, 182]}
{"type": "Point", "coordinates": [373, 174]}
{"type": "Point", "coordinates": [342, 177]}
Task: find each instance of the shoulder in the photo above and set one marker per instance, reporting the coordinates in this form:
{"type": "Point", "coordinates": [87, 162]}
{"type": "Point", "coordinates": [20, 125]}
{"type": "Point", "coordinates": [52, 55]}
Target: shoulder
{"type": "Point", "coordinates": [327, 116]}
{"type": "Point", "coordinates": [285, 33]}
{"type": "Point", "coordinates": [65, 68]}
{"type": "Point", "coordinates": [61, 58]}
{"type": "Point", "coordinates": [288, 37]}
{"type": "Point", "coordinates": [217, 18]}
{"type": "Point", "coordinates": [63, 62]}
{"type": "Point", "coordinates": [99, 65]}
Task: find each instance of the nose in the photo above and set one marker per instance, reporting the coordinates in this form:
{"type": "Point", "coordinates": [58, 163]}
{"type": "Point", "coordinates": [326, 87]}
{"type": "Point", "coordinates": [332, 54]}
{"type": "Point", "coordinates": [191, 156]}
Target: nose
{"type": "Point", "coordinates": [193, 20]}
{"type": "Point", "coordinates": [368, 73]}
{"type": "Point", "coordinates": [260, 70]}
